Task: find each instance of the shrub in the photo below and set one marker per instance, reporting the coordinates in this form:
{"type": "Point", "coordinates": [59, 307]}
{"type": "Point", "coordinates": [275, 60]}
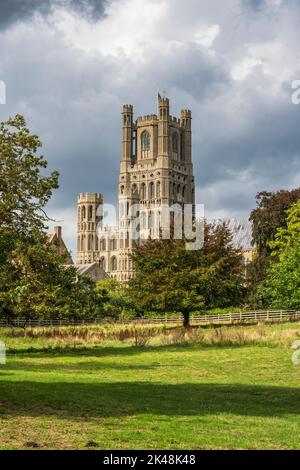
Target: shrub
{"type": "Point", "coordinates": [142, 336]}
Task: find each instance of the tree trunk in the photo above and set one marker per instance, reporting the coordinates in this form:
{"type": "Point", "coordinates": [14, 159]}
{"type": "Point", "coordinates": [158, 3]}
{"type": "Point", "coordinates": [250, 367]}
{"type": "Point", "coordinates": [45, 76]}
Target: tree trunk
{"type": "Point", "coordinates": [186, 319]}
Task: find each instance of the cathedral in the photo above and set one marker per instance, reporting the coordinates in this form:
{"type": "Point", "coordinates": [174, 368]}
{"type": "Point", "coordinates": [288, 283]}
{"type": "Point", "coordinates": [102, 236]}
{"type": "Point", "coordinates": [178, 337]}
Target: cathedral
{"type": "Point", "coordinates": [156, 171]}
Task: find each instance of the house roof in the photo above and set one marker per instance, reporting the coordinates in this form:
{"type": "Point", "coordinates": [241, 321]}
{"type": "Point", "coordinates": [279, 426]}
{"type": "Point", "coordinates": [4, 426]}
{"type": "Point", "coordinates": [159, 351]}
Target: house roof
{"type": "Point", "coordinates": [51, 237]}
{"type": "Point", "coordinates": [83, 269]}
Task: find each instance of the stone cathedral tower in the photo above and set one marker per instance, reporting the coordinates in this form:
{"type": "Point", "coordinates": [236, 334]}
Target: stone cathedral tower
{"type": "Point", "coordinates": [156, 169]}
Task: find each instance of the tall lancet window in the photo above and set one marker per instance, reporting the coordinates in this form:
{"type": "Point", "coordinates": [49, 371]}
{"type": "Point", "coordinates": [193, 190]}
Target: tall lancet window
{"type": "Point", "coordinates": [158, 189]}
{"type": "Point", "coordinates": [143, 191]}
{"type": "Point", "coordinates": [175, 145]}
{"type": "Point", "coordinates": [145, 144]}
{"type": "Point", "coordinates": [151, 190]}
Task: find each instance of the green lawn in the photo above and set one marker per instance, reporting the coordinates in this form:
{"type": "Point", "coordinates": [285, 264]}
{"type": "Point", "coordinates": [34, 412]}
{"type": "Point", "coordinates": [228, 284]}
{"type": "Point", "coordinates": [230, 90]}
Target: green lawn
{"type": "Point", "coordinates": [156, 397]}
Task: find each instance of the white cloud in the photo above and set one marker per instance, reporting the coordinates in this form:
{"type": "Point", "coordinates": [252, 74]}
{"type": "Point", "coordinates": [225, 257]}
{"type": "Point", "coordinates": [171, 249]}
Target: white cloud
{"type": "Point", "coordinates": [70, 78]}
{"type": "Point", "coordinates": [207, 37]}
{"type": "Point", "coordinates": [242, 69]}
{"type": "Point", "coordinates": [275, 59]}
{"type": "Point", "coordinates": [131, 28]}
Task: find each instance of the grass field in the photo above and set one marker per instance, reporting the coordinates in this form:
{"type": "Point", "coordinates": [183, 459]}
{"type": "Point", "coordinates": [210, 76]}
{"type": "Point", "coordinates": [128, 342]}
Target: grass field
{"type": "Point", "coordinates": [234, 388]}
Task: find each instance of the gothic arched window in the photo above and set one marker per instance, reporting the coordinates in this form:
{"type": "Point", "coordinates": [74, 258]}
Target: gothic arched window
{"type": "Point", "coordinates": [143, 191]}
{"type": "Point", "coordinates": [82, 242]}
{"type": "Point", "coordinates": [102, 244]}
{"type": "Point", "coordinates": [102, 263]}
{"type": "Point", "coordinates": [145, 141]}
{"type": "Point", "coordinates": [175, 142]}
{"type": "Point", "coordinates": [83, 213]}
{"type": "Point", "coordinates": [90, 212]}
{"type": "Point", "coordinates": [113, 244]}
{"type": "Point", "coordinates": [143, 220]}
{"type": "Point", "coordinates": [114, 264]}
{"type": "Point", "coordinates": [134, 190]}
{"type": "Point", "coordinates": [90, 242]}
{"type": "Point", "coordinates": [127, 240]}
{"type": "Point", "coordinates": [181, 148]}
{"type": "Point", "coordinates": [150, 219]}
{"type": "Point", "coordinates": [158, 189]}
{"type": "Point", "coordinates": [151, 190]}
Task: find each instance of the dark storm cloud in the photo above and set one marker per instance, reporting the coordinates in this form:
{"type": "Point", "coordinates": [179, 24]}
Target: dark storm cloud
{"type": "Point", "coordinates": [245, 131]}
{"type": "Point", "coordinates": [257, 6]}
{"type": "Point", "coordinates": [12, 11]}
{"type": "Point", "coordinates": [254, 4]}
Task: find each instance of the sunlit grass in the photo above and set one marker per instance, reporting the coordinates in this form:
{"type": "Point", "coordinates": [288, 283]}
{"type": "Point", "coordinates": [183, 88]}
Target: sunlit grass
{"type": "Point", "coordinates": [215, 388]}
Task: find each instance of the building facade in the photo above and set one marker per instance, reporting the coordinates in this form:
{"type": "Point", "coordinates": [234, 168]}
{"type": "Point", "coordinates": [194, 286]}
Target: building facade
{"type": "Point", "coordinates": [156, 171]}
{"type": "Point", "coordinates": [57, 243]}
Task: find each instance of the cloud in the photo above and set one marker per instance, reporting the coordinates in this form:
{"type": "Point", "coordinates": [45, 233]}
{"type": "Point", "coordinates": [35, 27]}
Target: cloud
{"type": "Point", "coordinates": [133, 28]}
{"type": "Point", "coordinates": [23, 10]}
{"type": "Point", "coordinates": [69, 74]}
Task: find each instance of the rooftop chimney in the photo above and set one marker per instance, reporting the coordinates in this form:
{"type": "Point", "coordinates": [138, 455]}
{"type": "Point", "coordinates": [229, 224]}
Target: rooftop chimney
{"type": "Point", "coordinates": [57, 231]}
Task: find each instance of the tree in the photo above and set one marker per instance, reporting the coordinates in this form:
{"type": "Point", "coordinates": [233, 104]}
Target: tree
{"type": "Point", "coordinates": [36, 285]}
{"type": "Point", "coordinates": [33, 282]}
{"type": "Point", "coordinates": [282, 287]}
{"type": "Point", "coordinates": [170, 278]}
{"type": "Point", "coordinates": [269, 215]}
{"type": "Point", "coordinates": [24, 190]}
{"type": "Point", "coordinates": [113, 298]}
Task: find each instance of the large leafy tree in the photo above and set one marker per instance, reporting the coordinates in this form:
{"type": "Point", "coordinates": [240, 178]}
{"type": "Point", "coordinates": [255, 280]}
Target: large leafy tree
{"type": "Point", "coordinates": [282, 287]}
{"type": "Point", "coordinates": [24, 189]}
{"type": "Point", "coordinates": [170, 278]}
{"type": "Point", "coordinates": [36, 285]}
{"type": "Point", "coordinates": [269, 215]}
{"type": "Point", "coordinates": [33, 282]}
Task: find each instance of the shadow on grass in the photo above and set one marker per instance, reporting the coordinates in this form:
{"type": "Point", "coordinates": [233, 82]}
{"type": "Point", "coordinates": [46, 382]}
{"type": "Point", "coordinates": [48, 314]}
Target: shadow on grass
{"type": "Point", "coordinates": [95, 400]}
{"type": "Point", "coordinates": [122, 350]}
{"type": "Point", "coordinates": [88, 366]}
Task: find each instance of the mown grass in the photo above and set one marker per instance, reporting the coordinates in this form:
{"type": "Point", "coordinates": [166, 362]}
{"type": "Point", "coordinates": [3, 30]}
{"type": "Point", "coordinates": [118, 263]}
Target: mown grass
{"type": "Point", "coordinates": [228, 388]}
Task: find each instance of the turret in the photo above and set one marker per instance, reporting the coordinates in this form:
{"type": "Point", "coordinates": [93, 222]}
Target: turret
{"type": "Point", "coordinates": [186, 124]}
{"type": "Point", "coordinates": [88, 217]}
{"type": "Point", "coordinates": [163, 126]}
{"type": "Point", "coordinates": [127, 135]}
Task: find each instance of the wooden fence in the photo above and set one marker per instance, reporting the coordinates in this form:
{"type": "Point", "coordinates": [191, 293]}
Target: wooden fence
{"type": "Point", "coordinates": [222, 318]}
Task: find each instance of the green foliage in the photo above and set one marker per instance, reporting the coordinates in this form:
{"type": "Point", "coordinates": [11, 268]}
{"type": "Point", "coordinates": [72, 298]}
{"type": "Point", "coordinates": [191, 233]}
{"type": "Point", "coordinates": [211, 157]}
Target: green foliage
{"type": "Point", "coordinates": [113, 299]}
{"type": "Point", "coordinates": [269, 215]}
{"type": "Point", "coordinates": [33, 283]}
{"type": "Point", "coordinates": [24, 190]}
{"type": "Point", "coordinates": [282, 287]}
{"type": "Point", "coordinates": [170, 278]}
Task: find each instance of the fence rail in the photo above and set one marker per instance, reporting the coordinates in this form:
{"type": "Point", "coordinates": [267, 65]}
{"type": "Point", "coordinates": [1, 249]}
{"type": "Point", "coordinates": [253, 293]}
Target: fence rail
{"type": "Point", "coordinates": [222, 318]}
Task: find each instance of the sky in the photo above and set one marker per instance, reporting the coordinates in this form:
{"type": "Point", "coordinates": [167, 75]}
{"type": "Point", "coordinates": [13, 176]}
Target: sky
{"type": "Point", "coordinates": [70, 65]}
